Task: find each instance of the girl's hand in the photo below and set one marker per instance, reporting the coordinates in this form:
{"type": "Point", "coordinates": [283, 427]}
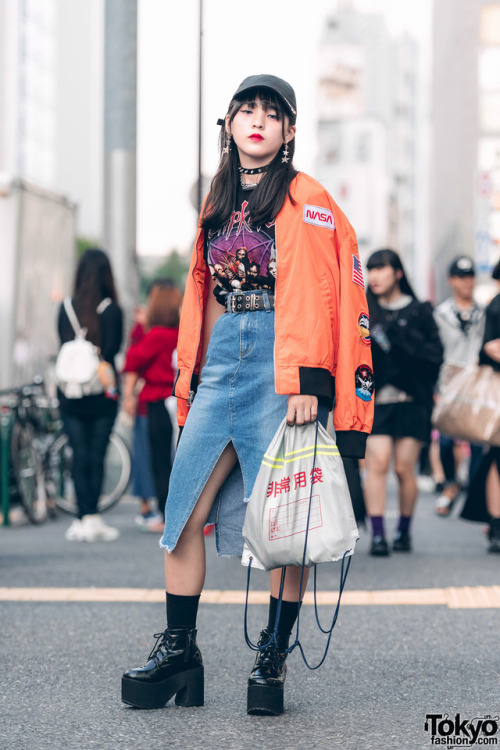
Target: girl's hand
{"type": "Point", "coordinates": [492, 349]}
{"type": "Point", "coordinates": [129, 404]}
{"type": "Point", "coordinates": [301, 409]}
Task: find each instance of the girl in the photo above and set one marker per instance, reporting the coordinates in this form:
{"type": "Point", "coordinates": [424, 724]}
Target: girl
{"type": "Point", "coordinates": [88, 421]}
{"type": "Point", "coordinates": [151, 359]}
{"type": "Point", "coordinates": [407, 355]}
{"type": "Point", "coordinates": [247, 358]}
{"type": "Point", "coordinates": [483, 499]}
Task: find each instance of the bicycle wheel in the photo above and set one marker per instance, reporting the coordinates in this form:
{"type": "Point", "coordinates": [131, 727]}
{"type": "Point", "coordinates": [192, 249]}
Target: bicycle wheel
{"type": "Point", "coordinates": [28, 472]}
{"type": "Point", "coordinates": [117, 468]}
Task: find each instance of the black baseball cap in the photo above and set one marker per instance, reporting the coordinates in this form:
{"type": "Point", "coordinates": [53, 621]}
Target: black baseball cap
{"type": "Point", "coordinates": [462, 266]}
{"type": "Point", "coordinates": [273, 83]}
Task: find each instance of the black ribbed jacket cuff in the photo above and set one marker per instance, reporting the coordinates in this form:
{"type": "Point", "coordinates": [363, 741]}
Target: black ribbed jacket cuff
{"type": "Point", "coordinates": [315, 381]}
{"type": "Point", "coordinates": [351, 443]}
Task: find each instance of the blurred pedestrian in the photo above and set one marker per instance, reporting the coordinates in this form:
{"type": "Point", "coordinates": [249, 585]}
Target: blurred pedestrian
{"type": "Point", "coordinates": [88, 420]}
{"type": "Point", "coordinates": [151, 360]}
{"type": "Point", "coordinates": [142, 471]}
{"type": "Point", "coordinates": [461, 326]}
{"type": "Point", "coordinates": [407, 355]}
{"type": "Point", "coordinates": [483, 499]}
{"type": "Point", "coordinates": [265, 229]}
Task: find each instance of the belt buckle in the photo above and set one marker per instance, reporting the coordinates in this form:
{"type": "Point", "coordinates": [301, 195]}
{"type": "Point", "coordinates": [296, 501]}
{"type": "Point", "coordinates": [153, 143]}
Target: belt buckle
{"type": "Point", "coordinates": [253, 302]}
{"type": "Point", "coordinates": [235, 299]}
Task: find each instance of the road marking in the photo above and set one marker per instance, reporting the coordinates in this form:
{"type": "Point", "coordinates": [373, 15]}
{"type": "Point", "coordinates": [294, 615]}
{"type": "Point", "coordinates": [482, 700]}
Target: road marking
{"type": "Point", "coordinates": [464, 597]}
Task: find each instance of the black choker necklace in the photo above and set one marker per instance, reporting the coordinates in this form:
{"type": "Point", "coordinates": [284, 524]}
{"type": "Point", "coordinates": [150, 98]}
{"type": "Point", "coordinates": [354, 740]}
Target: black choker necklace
{"type": "Point", "coordinates": [257, 170]}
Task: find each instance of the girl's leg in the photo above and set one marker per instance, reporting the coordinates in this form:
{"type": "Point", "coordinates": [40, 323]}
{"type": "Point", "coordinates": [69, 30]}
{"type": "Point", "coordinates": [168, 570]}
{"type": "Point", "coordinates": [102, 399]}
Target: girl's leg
{"type": "Point", "coordinates": [77, 432]}
{"type": "Point", "coordinates": [185, 565]}
{"type": "Point", "coordinates": [175, 666]}
{"type": "Point", "coordinates": [160, 442]}
{"type": "Point", "coordinates": [493, 506]}
{"type": "Point", "coordinates": [406, 454]}
{"type": "Point", "coordinates": [377, 462]}
{"type": "Point", "coordinates": [493, 491]}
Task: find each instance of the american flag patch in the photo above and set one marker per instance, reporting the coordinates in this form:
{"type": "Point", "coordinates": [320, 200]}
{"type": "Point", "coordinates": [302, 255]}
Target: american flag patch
{"type": "Point", "coordinates": [357, 272]}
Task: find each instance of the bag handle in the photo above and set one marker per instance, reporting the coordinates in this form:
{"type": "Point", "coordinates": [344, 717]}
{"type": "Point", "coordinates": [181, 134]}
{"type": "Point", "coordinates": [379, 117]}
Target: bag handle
{"type": "Point", "coordinates": [343, 578]}
{"type": "Point", "coordinates": [70, 312]}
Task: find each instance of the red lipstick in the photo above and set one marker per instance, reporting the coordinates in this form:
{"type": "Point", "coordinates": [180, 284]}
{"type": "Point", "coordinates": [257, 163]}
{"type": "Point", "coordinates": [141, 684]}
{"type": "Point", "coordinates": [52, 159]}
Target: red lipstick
{"type": "Point", "coordinates": [256, 137]}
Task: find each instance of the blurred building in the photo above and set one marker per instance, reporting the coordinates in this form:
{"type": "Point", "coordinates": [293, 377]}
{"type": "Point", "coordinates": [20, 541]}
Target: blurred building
{"type": "Point", "coordinates": [368, 129]}
{"type": "Point", "coordinates": [37, 221]}
{"type": "Point", "coordinates": [28, 90]}
{"type": "Point", "coordinates": [51, 100]}
{"type": "Point", "coordinates": [466, 135]}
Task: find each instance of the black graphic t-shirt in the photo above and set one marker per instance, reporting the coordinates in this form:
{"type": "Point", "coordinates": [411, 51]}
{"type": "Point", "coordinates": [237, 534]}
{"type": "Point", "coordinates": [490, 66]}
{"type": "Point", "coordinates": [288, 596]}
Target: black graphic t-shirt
{"type": "Point", "coordinates": [241, 257]}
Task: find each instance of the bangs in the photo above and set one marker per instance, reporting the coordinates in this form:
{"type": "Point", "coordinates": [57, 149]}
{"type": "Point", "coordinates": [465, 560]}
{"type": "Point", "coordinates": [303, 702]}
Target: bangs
{"type": "Point", "coordinates": [268, 99]}
{"type": "Point", "coordinates": [381, 258]}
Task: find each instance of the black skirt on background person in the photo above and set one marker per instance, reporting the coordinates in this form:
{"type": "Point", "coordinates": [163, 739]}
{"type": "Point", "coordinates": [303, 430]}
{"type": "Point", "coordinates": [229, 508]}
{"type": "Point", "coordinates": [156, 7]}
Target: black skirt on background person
{"type": "Point", "coordinates": [407, 354]}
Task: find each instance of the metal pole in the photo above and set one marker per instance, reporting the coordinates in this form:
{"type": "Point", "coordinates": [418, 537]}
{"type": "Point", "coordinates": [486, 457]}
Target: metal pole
{"type": "Point", "coordinates": [200, 110]}
{"type": "Point", "coordinates": [120, 145]}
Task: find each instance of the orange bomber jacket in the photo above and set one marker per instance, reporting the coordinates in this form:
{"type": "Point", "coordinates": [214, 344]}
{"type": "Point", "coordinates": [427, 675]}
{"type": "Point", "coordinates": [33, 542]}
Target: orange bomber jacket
{"type": "Point", "coordinates": [322, 342]}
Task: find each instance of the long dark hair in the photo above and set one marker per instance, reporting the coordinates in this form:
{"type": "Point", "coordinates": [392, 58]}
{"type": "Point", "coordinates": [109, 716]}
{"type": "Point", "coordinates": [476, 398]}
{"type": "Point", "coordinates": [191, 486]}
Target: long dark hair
{"type": "Point", "coordinates": [266, 200]}
{"type": "Point", "coordinates": [387, 257]}
{"type": "Point", "coordinates": [93, 283]}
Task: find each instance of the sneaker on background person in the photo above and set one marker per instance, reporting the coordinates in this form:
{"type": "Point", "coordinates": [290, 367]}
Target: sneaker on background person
{"type": "Point", "coordinates": [91, 528]}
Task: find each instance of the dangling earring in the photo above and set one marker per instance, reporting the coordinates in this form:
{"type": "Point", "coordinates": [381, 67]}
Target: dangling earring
{"type": "Point", "coordinates": [227, 147]}
{"type": "Point", "coordinates": [285, 158]}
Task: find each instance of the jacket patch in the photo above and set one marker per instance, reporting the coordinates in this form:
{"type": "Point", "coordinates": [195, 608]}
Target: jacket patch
{"type": "Point", "coordinates": [357, 271]}
{"type": "Point", "coordinates": [364, 328]}
{"type": "Point", "coordinates": [318, 216]}
{"type": "Point", "coordinates": [364, 382]}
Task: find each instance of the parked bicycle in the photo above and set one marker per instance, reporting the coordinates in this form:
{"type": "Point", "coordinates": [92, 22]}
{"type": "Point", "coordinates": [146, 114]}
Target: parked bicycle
{"type": "Point", "coordinates": [40, 456]}
{"type": "Point", "coordinates": [22, 474]}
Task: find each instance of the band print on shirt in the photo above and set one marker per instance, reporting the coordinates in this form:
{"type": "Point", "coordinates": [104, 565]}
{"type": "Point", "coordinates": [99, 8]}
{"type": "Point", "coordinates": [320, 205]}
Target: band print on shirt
{"type": "Point", "coordinates": [241, 258]}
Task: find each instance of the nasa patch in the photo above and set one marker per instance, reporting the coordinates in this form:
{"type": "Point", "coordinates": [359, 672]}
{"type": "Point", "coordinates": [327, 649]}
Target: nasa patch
{"type": "Point", "coordinates": [364, 328]}
{"type": "Point", "coordinates": [318, 216]}
{"type": "Point", "coordinates": [364, 382]}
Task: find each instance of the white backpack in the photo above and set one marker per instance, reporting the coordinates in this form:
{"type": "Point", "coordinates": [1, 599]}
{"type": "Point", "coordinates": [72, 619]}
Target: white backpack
{"type": "Point", "coordinates": [77, 364]}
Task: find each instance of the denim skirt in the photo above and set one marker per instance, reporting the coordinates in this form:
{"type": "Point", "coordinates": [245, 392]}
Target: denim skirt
{"type": "Point", "coordinates": [236, 403]}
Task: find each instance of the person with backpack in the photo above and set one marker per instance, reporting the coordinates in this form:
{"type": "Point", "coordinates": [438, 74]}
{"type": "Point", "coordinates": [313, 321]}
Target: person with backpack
{"type": "Point", "coordinates": [253, 349]}
{"type": "Point", "coordinates": [89, 409]}
{"type": "Point", "coordinates": [407, 355]}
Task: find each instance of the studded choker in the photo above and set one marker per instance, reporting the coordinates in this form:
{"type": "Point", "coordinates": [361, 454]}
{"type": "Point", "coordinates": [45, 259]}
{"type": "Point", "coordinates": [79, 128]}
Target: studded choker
{"type": "Point", "coordinates": [256, 170]}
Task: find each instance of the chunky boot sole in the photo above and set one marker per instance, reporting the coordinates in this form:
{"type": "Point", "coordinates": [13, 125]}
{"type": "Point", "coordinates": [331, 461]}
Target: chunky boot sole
{"type": "Point", "coordinates": [188, 688]}
{"type": "Point", "coordinates": [264, 700]}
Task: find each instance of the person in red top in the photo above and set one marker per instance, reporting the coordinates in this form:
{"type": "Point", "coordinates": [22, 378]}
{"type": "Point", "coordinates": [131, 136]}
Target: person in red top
{"type": "Point", "coordinates": [151, 359]}
{"type": "Point", "coordinates": [142, 472]}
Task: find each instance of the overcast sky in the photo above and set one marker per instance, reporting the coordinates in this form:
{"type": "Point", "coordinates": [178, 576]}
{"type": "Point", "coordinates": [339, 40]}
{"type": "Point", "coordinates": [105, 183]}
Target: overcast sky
{"type": "Point", "coordinates": [240, 39]}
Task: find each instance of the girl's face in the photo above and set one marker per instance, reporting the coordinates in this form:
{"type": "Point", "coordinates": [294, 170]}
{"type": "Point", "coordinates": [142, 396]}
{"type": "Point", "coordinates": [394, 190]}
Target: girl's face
{"type": "Point", "coordinates": [383, 280]}
{"type": "Point", "coordinates": [257, 131]}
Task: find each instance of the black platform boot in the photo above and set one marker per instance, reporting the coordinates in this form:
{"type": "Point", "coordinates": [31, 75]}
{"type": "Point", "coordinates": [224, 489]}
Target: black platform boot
{"type": "Point", "coordinates": [175, 667]}
{"type": "Point", "coordinates": [267, 680]}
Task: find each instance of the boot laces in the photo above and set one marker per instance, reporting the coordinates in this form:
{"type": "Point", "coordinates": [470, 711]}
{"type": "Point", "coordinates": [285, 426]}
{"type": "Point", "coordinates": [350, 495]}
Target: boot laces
{"type": "Point", "coordinates": [163, 641]}
{"type": "Point", "coordinates": [269, 658]}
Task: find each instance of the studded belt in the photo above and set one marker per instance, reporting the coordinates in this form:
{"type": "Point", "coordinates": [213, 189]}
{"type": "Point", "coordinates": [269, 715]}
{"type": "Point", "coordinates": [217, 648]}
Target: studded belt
{"type": "Point", "coordinates": [240, 302]}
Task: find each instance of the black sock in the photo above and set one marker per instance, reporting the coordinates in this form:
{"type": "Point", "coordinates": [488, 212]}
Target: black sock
{"type": "Point", "coordinates": [181, 610]}
{"type": "Point", "coordinates": [288, 615]}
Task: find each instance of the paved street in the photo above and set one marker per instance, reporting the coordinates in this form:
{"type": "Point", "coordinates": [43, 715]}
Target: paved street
{"type": "Point", "coordinates": [390, 664]}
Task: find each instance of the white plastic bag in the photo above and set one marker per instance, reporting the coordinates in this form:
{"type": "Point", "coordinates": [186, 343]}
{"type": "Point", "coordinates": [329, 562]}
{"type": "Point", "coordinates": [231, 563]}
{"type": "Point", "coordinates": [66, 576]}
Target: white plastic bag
{"type": "Point", "coordinates": [301, 486]}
